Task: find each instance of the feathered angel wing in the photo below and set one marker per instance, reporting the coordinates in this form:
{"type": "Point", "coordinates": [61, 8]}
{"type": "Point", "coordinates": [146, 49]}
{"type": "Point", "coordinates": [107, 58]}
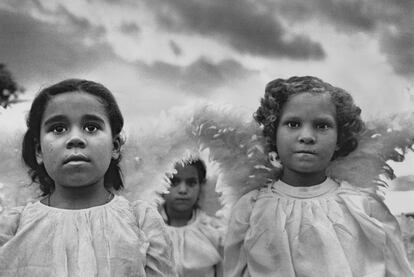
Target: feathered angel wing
{"type": "Point", "coordinates": [225, 138]}
{"type": "Point", "coordinates": [236, 144]}
{"type": "Point", "coordinates": [385, 140]}
{"type": "Point", "coordinates": [151, 152]}
{"type": "Point", "coordinates": [15, 184]}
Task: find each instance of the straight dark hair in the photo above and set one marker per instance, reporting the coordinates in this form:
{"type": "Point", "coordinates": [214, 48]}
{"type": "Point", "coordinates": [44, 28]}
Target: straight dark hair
{"type": "Point", "coordinates": [113, 176]}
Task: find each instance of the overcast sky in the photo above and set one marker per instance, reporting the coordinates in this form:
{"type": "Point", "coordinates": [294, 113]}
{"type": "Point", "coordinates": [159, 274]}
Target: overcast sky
{"type": "Point", "coordinates": [158, 54]}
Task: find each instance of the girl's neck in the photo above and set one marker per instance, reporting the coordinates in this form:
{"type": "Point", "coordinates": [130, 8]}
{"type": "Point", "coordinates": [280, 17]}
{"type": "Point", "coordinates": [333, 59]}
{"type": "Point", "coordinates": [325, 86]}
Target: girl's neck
{"type": "Point", "coordinates": [178, 218]}
{"type": "Point", "coordinates": [303, 179]}
{"type": "Point", "coordinates": [75, 198]}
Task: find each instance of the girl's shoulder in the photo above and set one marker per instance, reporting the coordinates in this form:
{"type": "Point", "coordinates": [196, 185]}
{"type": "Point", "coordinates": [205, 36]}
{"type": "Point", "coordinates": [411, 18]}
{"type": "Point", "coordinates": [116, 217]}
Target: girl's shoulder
{"type": "Point", "coordinates": [142, 205]}
{"type": "Point", "coordinates": [11, 214]}
{"type": "Point", "coordinates": [14, 210]}
{"type": "Point", "coordinates": [9, 223]}
{"type": "Point", "coordinates": [205, 218]}
{"type": "Point", "coordinates": [373, 192]}
{"type": "Point", "coordinates": [132, 205]}
{"type": "Point", "coordinates": [249, 198]}
{"type": "Point", "coordinates": [213, 223]}
{"type": "Point", "coordinates": [368, 199]}
{"type": "Point", "coordinates": [145, 212]}
{"type": "Point", "coordinates": [244, 205]}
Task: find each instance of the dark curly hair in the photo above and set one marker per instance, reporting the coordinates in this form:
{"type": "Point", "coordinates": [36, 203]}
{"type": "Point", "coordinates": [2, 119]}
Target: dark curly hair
{"type": "Point", "coordinates": [113, 176]}
{"type": "Point", "coordinates": [199, 165]}
{"type": "Point", "coordinates": [278, 92]}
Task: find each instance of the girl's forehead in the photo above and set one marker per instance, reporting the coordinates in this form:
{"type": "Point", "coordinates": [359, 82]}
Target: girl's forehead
{"type": "Point", "coordinates": [73, 104]}
{"type": "Point", "coordinates": [186, 170]}
{"type": "Point", "coordinates": [310, 103]}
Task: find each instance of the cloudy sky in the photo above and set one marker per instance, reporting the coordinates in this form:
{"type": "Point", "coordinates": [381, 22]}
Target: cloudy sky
{"type": "Point", "coordinates": [159, 54]}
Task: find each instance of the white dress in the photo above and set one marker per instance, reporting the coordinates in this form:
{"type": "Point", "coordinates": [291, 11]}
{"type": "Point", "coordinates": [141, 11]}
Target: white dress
{"type": "Point", "coordinates": [407, 230]}
{"type": "Point", "coordinates": [197, 245]}
{"type": "Point", "coordinates": [327, 230]}
{"type": "Point", "coordinates": [116, 239]}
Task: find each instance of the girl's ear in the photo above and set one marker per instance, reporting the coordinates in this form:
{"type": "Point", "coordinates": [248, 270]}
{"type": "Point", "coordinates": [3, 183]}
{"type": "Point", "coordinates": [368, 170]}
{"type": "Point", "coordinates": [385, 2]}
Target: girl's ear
{"type": "Point", "coordinates": [39, 155]}
{"type": "Point", "coordinates": [116, 150]}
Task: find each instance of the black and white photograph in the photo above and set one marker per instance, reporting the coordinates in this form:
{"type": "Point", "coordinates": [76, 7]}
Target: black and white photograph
{"type": "Point", "coordinates": [206, 138]}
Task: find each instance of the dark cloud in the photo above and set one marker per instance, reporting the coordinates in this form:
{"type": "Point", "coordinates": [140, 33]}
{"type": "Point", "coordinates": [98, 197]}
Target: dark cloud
{"type": "Point", "coordinates": [175, 48]}
{"type": "Point", "coordinates": [397, 36]}
{"type": "Point", "coordinates": [38, 52]}
{"type": "Point", "coordinates": [201, 77]}
{"type": "Point", "coordinates": [346, 15]}
{"type": "Point", "coordinates": [80, 25]}
{"type": "Point", "coordinates": [243, 25]}
{"type": "Point", "coordinates": [399, 47]}
{"type": "Point", "coordinates": [254, 27]}
{"type": "Point", "coordinates": [63, 18]}
{"type": "Point", "coordinates": [130, 28]}
{"type": "Point", "coordinates": [391, 21]}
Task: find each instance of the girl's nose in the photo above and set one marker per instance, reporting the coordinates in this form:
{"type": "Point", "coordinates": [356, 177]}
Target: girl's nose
{"type": "Point", "coordinates": [76, 140]}
{"type": "Point", "coordinates": [182, 188]}
{"type": "Point", "coordinates": [307, 136]}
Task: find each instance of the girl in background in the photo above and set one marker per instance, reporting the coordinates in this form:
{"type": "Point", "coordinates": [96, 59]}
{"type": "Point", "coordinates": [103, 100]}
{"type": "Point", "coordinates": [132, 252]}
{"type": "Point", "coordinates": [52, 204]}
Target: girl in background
{"type": "Point", "coordinates": [196, 236]}
{"type": "Point", "coordinates": [80, 227]}
{"type": "Point", "coordinates": [305, 223]}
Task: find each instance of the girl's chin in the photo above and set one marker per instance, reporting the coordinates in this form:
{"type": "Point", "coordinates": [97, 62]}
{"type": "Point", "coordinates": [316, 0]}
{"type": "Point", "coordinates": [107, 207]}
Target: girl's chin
{"type": "Point", "coordinates": [79, 183]}
{"type": "Point", "coordinates": [306, 171]}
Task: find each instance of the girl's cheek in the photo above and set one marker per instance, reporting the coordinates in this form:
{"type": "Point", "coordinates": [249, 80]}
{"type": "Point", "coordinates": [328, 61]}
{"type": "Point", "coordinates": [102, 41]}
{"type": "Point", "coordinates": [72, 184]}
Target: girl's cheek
{"type": "Point", "coordinates": [49, 148]}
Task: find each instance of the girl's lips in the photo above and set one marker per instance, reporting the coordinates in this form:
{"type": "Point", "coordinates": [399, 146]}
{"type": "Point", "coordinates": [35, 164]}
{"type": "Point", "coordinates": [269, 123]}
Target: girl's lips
{"type": "Point", "coordinates": [182, 199]}
{"type": "Point", "coordinates": [75, 159]}
{"type": "Point", "coordinates": [306, 152]}
{"type": "Point", "coordinates": [76, 163]}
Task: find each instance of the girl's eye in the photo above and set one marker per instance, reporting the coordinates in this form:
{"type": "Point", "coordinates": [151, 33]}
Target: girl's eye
{"type": "Point", "coordinates": [190, 183]}
{"type": "Point", "coordinates": [323, 126]}
{"type": "Point", "coordinates": [91, 128]}
{"type": "Point", "coordinates": [174, 181]}
{"type": "Point", "coordinates": [58, 129]}
{"type": "Point", "coordinates": [293, 124]}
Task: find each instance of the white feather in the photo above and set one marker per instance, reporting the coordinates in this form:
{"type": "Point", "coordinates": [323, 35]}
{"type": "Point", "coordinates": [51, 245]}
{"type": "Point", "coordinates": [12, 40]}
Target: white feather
{"type": "Point", "coordinates": [386, 139]}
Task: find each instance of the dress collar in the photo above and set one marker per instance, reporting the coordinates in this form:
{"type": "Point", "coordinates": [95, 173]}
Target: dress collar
{"type": "Point", "coordinates": [321, 189]}
{"type": "Point", "coordinates": [165, 217]}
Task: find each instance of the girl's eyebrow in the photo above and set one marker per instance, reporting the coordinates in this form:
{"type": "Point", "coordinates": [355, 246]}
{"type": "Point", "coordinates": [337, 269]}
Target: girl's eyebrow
{"type": "Point", "coordinates": [326, 118]}
{"type": "Point", "coordinates": [290, 117]}
{"type": "Point", "coordinates": [92, 117]}
{"type": "Point", "coordinates": [185, 179]}
{"type": "Point", "coordinates": [55, 118]}
{"type": "Point", "coordinates": [319, 117]}
{"type": "Point", "coordinates": [61, 117]}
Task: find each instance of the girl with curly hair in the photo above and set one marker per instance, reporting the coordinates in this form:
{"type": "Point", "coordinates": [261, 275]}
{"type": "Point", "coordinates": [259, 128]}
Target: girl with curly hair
{"type": "Point", "coordinates": [305, 223]}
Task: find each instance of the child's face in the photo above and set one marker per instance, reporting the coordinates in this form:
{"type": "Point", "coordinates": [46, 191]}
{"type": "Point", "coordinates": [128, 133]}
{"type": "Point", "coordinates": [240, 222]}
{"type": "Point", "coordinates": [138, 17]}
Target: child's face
{"type": "Point", "coordinates": [76, 143]}
{"type": "Point", "coordinates": [307, 134]}
{"type": "Point", "coordinates": [185, 189]}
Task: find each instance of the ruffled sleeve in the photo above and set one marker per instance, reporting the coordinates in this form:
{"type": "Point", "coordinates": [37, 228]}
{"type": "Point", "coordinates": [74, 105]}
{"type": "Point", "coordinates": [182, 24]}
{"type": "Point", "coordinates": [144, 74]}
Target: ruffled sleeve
{"type": "Point", "coordinates": [213, 228]}
{"type": "Point", "coordinates": [160, 261]}
{"type": "Point", "coordinates": [9, 222]}
{"type": "Point", "coordinates": [397, 263]}
{"type": "Point", "coordinates": [382, 228]}
{"type": "Point", "coordinates": [235, 258]}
